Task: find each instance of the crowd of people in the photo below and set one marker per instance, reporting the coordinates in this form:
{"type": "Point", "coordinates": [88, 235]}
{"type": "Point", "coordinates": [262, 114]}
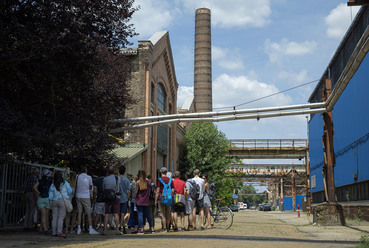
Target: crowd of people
{"type": "Point", "coordinates": [112, 201]}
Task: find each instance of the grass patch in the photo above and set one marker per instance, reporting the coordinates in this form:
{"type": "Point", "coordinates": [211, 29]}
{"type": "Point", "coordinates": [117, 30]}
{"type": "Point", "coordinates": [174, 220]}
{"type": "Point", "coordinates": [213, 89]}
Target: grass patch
{"type": "Point", "coordinates": [364, 242]}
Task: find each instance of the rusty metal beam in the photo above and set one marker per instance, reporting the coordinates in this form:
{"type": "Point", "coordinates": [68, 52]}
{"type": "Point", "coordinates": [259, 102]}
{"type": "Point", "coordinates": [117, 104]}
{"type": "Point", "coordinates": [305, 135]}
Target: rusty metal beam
{"type": "Point", "coordinates": [329, 157]}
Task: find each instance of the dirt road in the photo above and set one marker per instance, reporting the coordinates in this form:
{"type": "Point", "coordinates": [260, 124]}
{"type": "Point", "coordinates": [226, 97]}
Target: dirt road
{"type": "Point", "coordinates": [250, 229]}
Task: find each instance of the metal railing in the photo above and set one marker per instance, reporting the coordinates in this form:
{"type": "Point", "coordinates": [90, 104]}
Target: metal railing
{"type": "Point", "coordinates": [12, 198]}
{"type": "Point", "coordinates": [268, 143]}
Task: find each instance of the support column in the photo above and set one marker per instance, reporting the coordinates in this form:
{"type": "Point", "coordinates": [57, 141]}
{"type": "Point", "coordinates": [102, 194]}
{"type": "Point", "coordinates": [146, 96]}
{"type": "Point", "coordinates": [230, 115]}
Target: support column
{"type": "Point", "coordinates": [329, 157]}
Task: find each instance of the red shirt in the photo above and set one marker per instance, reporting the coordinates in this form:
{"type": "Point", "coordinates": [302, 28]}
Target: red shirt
{"type": "Point", "coordinates": [166, 181]}
{"type": "Point", "coordinates": [179, 186]}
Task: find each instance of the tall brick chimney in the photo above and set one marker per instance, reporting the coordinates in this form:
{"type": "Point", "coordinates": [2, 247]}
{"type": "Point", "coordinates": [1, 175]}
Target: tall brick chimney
{"type": "Point", "coordinates": [203, 79]}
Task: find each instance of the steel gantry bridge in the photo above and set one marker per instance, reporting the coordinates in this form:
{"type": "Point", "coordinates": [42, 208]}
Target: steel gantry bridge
{"type": "Point", "coordinates": [281, 179]}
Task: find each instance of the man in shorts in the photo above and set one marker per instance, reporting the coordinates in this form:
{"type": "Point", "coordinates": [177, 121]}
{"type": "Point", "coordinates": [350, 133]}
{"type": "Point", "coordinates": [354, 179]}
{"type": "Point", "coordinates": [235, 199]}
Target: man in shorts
{"type": "Point", "coordinates": [124, 196]}
{"type": "Point", "coordinates": [164, 210]}
{"type": "Point", "coordinates": [179, 189]}
{"type": "Point", "coordinates": [199, 203]}
{"type": "Point", "coordinates": [189, 202]}
{"type": "Point", "coordinates": [99, 208]}
{"type": "Point", "coordinates": [83, 198]}
{"type": "Point", "coordinates": [112, 207]}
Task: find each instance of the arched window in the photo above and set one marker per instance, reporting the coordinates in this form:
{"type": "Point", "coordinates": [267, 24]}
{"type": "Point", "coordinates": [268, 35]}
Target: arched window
{"type": "Point", "coordinates": [160, 97]}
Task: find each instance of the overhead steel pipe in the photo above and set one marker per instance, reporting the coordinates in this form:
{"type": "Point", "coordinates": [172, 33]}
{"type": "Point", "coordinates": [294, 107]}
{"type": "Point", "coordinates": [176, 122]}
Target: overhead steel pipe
{"type": "Point", "coordinates": [219, 119]}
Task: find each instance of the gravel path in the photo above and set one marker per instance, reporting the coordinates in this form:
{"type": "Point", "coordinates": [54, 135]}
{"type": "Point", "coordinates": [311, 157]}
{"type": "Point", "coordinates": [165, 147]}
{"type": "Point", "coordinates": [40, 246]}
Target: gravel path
{"type": "Point", "coordinates": [250, 228]}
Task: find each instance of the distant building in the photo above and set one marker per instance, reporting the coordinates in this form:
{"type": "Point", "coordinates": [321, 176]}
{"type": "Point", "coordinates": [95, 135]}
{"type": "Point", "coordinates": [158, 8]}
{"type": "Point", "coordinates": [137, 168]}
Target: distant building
{"type": "Point", "coordinates": [350, 118]}
{"type": "Point", "coordinates": [154, 87]}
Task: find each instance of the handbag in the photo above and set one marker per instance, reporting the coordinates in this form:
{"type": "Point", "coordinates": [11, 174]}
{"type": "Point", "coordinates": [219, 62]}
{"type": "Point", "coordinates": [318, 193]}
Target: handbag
{"type": "Point", "coordinates": [68, 204]}
{"type": "Point", "coordinates": [179, 200]}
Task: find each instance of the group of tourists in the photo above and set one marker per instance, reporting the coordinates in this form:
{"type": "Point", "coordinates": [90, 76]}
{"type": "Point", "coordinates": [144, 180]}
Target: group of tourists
{"type": "Point", "coordinates": [114, 202]}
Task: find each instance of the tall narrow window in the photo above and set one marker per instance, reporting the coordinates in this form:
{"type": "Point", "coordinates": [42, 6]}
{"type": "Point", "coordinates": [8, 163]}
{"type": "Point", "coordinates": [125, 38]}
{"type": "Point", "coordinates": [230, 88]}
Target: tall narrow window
{"type": "Point", "coordinates": [160, 97]}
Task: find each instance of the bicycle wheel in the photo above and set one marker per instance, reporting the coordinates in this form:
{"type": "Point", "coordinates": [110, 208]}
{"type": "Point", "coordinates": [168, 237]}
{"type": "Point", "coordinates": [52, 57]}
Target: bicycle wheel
{"type": "Point", "coordinates": [224, 217]}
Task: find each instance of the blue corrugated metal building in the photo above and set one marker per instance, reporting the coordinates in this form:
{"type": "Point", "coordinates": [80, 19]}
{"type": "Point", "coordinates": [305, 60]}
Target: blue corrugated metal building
{"type": "Point", "coordinates": [350, 120]}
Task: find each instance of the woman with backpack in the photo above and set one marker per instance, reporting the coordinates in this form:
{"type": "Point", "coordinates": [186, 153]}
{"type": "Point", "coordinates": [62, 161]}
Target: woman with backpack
{"type": "Point", "coordinates": [142, 193]}
{"type": "Point", "coordinates": [59, 189]}
{"type": "Point", "coordinates": [41, 188]}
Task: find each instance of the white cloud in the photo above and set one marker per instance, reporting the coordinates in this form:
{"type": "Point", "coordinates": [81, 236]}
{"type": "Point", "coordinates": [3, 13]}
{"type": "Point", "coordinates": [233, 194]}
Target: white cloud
{"type": "Point", "coordinates": [226, 58]}
{"type": "Point", "coordinates": [276, 51]}
{"type": "Point", "coordinates": [231, 90]}
{"type": "Point", "coordinates": [152, 16]}
{"type": "Point", "coordinates": [237, 13]}
{"type": "Point", "coordinates": [182, 94]}
{"type": "Point", "coordinates": [294, 78]}
{"type": "Point", "coordinates": [339, 19]}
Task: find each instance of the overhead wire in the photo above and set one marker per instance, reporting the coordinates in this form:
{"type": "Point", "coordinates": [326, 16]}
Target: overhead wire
{"type": "Point", "coordinates": [261, 98]}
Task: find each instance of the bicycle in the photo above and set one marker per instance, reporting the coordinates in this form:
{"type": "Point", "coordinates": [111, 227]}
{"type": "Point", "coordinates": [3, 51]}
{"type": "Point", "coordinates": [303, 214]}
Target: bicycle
{"type": "Point", "coordinates": [222, 216]}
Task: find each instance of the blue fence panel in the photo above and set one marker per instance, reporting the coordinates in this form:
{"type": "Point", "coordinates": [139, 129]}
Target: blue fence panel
{"type": "Point", "coordinates": [288, 203]}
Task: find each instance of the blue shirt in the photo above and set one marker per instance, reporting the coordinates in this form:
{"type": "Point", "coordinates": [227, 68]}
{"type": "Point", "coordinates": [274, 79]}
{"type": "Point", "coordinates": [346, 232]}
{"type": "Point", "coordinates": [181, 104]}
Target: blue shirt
{"type": "Point", "coordinates": [65, 189]}
{"type": "Point", "coordinates": [124, 187]}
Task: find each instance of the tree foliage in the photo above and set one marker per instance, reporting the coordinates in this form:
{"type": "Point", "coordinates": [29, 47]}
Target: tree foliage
{"type": "Point", "coordinates": [62, 77]}
{"type": "Point", "coordinates": [206, 148]}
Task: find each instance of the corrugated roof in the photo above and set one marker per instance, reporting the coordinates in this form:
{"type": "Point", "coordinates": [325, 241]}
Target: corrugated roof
{"type": "Point", "coordinates": [129, 153]}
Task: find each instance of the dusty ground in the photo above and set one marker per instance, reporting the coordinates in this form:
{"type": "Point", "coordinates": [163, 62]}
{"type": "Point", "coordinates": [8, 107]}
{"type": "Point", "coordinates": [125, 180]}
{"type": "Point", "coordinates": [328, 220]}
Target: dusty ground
{"type": "Point", "coordinates": [250, 228]}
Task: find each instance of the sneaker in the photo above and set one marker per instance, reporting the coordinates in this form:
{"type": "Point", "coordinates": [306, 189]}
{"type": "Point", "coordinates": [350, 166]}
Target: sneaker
{"type": "Point", "coordinates": [61, 235]}
{"type": "Point", "coordinates": [134, 232]}
{"type": "Point", "coordinates": [118, 232]}
{"type": "Point", "coordinates": [124, 230]}
{"type": "Point", "coordinates": [163, 231]}
{"type": "Point", "coordinates": [79, 231]}
{"type": "Point", "coordinates": [152, 231]}
{"type": "Point", "coordinates": [175, 229]}
{"type": "Point", "coordinates": [104, 232]}
{"type": "Point", "coordinates": [140, 233]}
{"type": "Point", "coordinates": [93, 232]}
{"type": "Point", "coordinates": [183, 229]}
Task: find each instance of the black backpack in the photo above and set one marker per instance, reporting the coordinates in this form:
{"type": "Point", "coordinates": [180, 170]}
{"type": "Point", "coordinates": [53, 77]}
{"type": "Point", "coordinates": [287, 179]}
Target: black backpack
{"type": "Point", "coordinates": [152, 191]}
{"type": "Point", "coordinates": [195, 192]}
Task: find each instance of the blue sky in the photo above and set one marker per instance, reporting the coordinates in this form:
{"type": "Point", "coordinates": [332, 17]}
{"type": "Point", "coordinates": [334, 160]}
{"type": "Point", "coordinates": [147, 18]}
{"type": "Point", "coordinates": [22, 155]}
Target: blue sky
{"type": "Point", "coordinates": [258, 48]}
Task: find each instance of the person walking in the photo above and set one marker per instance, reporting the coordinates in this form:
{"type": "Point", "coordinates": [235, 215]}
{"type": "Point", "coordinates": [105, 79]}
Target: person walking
{"type": "Point", "coordinates": [41, 188]}
{"type": "Point", "coordinates": [163, 209]}
{"type": "Point", "coordinates": [83, 198]}
{"type": "Point", "coordinates": [190, 203]}
{"type": "Point", "coordinates": [179, 189]}
{"type": "Point", "coordinates": [124, 196]}
{"type": "Point", "coordinates": [112, 207]}
{"type": "Point", "coordinates": [207, 202]}
{"type": "Point", "coordinates": [57, 189]}
{"type": "Point", "coordinates": [142, 193]}
{"type": "Point", "coordinates": [31, 199]}
{"type": "Point", "coordinates": [199, 203]}
{"type": "Point", "coordinates": [99, 207]}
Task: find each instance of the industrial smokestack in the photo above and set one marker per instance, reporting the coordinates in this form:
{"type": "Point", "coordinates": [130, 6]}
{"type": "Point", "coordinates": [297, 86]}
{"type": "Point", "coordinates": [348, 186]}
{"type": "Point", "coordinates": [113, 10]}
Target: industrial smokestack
{"type": "Point", "coordinates": [203, 79]}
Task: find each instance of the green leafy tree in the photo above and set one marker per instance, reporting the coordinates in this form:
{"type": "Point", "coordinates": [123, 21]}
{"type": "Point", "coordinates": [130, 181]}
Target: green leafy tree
{"type": "Point", "coordinates": [206, 148]}
{"type": "Point", "coordinates": [62, 78]}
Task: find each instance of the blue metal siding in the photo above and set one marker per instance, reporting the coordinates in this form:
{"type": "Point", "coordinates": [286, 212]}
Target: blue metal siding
{"type": "Point", "coordinates": [316, 151]}
{"type": "Point", "coordinates": [288, 202]}
{"type": "Point", "coordinates": [351, 125]}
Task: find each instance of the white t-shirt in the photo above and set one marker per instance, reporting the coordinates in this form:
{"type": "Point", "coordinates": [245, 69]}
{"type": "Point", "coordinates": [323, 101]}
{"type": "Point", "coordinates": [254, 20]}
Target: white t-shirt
{"type": "Point", "coordinates": [200, 182]}
{"type": "Point", "coordinates": [83, 186]}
